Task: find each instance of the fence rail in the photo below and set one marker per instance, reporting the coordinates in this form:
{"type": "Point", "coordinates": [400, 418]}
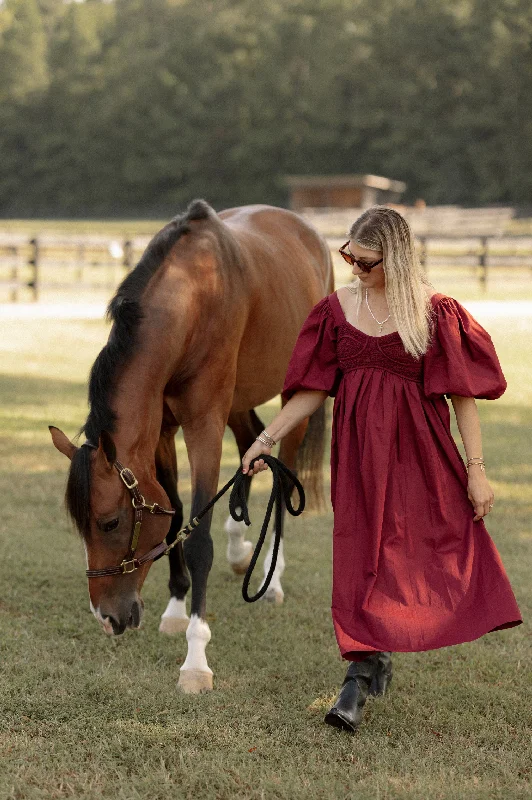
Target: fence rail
{"type": "Point", "coordinates": [30, 265]}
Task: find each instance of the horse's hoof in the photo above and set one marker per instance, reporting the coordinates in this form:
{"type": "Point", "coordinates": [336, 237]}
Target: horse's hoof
{"type": "Point", "coordinates": [240, 567]}
{"type": "Point", "coordinates": [274, 596]}
{"type": "Point", "coordinates": [172, 625]}
{"type": "Point", "coordinates": [193, 681]}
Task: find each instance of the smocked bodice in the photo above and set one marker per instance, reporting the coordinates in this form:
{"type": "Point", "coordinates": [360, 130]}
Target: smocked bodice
{"type": "Point", "coordinates": [356, 349]}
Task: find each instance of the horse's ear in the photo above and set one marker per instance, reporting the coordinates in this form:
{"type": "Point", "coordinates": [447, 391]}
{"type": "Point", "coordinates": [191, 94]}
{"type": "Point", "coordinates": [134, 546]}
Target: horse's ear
{"type": "Point", "coordinates": [107, 448]}
{"type": "Point", "coordinates": [62, 442]}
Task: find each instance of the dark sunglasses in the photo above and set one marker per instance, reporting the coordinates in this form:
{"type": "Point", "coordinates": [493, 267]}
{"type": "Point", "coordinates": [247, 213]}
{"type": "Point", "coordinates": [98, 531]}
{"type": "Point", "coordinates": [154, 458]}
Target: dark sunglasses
{"type": "Point", "coordinates": [349, 257]}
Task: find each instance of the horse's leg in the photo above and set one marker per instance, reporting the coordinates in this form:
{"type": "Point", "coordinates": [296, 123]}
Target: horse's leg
{"type": "Point", "coordinates": [204, 445]}
{"type": "Point", "coordinates": [246, 426]}
{"type": "Point", "coordinates": [174, 619]}
{"type": "Point", "coordinates": [287, 454]}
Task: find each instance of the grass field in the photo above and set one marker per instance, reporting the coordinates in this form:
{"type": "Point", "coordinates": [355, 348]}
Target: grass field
{"type": "Point", "coordinates": [84, 716]}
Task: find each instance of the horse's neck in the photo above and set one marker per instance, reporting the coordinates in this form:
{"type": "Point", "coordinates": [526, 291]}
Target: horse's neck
{"type": "Point", "coordinates": [164, 345]}
{"type": "Point", "coordinates": [138, 402]}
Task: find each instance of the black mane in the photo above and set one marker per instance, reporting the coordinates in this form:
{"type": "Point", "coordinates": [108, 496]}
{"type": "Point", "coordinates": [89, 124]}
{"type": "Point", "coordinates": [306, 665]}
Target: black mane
{"type": "Point", "coordinates": [125, 311]}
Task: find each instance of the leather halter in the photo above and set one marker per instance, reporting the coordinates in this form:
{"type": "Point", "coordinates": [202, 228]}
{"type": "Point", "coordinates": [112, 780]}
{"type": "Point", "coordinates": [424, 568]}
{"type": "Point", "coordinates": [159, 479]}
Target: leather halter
{"type": "Point", "coordinates": [283, 482]}
{"type": "Point", "coordinates": [130, 563]}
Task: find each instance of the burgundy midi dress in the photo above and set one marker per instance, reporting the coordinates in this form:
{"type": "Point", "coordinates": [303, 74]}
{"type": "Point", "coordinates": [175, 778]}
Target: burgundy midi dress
{"type": "Point", "coordinates": [411, 570]}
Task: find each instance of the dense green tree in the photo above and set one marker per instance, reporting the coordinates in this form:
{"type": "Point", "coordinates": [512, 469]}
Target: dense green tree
{"type": "Point", "coordinates": [23, 68]}
{"type": "Point", "coordinates": [136, 106]}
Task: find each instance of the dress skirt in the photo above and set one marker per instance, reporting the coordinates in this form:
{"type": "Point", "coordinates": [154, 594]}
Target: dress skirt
{"type": "Point", "coordinates": [411, 570]}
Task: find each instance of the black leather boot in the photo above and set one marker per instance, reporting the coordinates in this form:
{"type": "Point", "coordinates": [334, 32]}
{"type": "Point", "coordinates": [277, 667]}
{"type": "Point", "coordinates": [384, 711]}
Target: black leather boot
{"type": "Point", "coordinates": [348, 709]}
{"type": "Point", "coordinates": [383, 675]}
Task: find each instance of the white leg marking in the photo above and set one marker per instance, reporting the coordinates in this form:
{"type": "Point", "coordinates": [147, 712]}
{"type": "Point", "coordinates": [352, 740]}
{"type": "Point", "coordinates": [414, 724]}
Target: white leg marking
{"type": "Point", "coordinates": [274, 593]}
{"type": "Point", "coordinates": [198, 637]}
{"type": "Point", "coordinates": [195, 674]}
{"type": "Point", "coordinates": [238, 549]}
{"type": "Point", "coordinates": [174, 619]}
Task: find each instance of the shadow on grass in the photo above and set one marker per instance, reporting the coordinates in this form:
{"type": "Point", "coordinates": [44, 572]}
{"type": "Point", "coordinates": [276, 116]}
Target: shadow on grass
{"type": "Point", "coordinates": [24, 390]}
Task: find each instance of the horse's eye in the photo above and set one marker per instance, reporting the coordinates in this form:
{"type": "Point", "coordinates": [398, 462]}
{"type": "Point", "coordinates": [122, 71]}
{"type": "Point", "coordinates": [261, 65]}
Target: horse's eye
{"type": "Point", "coordinates": [110, 526]}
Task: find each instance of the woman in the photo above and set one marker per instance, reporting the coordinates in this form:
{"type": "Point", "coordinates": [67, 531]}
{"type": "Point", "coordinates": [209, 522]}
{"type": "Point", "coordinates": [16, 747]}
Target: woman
{"type": "Point", "coordinates": [413, 565]}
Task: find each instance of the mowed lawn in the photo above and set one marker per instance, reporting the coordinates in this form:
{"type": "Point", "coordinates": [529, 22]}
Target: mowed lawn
{"type": "Point", "coordinates": [85, 716]}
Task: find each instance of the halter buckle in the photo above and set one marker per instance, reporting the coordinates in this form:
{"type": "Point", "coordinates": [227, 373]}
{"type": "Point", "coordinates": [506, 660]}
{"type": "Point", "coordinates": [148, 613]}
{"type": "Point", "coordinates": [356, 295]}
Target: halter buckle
{"type": "Point", "coordinates": [129, 486]}
{"type": "Point", "coordinates": [129, 566]}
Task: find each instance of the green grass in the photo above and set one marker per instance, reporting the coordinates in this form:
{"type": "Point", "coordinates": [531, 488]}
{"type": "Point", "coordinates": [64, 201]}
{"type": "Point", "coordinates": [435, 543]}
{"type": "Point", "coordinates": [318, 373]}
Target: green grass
{"type": "Point", "coordinates": [109, 227]}
{"type": "Point", "coordinates": [83, 716]}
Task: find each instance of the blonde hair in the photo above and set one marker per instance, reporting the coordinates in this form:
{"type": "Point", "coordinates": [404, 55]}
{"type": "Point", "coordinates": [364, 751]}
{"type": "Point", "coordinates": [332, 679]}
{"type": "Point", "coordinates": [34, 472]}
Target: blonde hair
{"type": "Point", "coordinates": [382, 228]}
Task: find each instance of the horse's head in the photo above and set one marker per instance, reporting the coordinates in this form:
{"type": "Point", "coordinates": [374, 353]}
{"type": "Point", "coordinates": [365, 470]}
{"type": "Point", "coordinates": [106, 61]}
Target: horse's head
{"type": "Point", "coordinates": [116, 528]}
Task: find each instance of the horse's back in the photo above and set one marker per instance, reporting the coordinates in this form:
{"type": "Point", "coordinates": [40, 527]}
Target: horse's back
{"type": "Point", "coordinates": [279, 245]}
{"type": "Point", "coordinates": [288, 270]}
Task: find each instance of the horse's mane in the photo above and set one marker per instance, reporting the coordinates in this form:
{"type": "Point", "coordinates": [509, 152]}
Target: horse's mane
{"type": "Point", "coordinates": [125, 311]}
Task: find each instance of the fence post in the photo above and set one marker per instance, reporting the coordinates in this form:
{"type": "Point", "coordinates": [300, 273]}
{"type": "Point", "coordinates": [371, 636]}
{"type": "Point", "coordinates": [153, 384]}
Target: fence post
{"type": "Point", "coordinates": [423, 252]}
{"type": "Point", "coordinates": [483, 263]}
{"type": "Point", "coordinates": [128, 254]}
{"type": "Point", "coordinates": [80, 262]}
{"type": "Point", "coordinates": [35, 263]}
{"type": "Point", "coordinates": [14, 274]}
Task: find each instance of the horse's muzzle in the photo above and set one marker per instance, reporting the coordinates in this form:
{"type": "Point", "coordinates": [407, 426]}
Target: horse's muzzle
{"type": "Point", "coordinates": [115, 621]}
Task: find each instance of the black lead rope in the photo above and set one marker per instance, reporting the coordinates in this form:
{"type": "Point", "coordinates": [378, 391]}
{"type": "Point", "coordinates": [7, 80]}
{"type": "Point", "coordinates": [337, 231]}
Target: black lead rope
{"type": "Point", "coordinates": [284, 482]}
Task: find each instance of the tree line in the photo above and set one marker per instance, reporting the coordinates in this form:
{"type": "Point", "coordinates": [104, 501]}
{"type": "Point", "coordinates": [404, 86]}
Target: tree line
{"type": "Point", "coordinates": [134, 107]}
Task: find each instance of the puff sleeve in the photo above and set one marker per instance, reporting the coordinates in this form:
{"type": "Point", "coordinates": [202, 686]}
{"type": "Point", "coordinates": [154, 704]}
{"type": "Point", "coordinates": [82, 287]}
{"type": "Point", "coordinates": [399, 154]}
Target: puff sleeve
{"type": "Point", "coordinates": [313, 364]}
{"type": "Point", "coordinates": [461, 358]}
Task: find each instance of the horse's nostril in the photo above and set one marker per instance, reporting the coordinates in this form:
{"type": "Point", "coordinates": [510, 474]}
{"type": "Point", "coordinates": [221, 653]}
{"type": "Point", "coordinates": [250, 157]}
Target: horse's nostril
{"type": "Point", "coordinates": [134, 618]}
{"type": "Point", "coordinates": [118, 627]}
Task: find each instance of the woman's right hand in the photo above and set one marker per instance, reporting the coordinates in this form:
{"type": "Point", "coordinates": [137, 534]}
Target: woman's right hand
{"type": "Point", "coordinates": [256, 449]}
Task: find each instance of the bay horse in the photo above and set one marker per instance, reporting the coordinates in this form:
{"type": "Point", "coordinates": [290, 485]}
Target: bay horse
{"type": "Point", "coordinates": [202, 332]}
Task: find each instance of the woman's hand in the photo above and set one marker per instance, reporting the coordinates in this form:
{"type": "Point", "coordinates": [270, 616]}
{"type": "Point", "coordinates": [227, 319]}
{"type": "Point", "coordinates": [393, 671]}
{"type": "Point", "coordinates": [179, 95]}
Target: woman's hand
{"type": "Point", "coordinates": [479, 492]}
{"type": "Point", "coordinates": [256, 449]}
{"type": "Point", "coordinates": [302, 405]}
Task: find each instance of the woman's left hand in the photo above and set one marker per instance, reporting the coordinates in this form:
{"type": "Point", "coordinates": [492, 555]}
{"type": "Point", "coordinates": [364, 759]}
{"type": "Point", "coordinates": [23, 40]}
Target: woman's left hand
{"type": "Point", "coordinates": [479, 493]}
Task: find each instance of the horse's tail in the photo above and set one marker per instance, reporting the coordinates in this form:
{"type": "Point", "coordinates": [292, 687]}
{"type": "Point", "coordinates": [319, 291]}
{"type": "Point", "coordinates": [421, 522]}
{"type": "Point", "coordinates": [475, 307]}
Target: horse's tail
{"type": "Point", "coordinates": [309, 462]}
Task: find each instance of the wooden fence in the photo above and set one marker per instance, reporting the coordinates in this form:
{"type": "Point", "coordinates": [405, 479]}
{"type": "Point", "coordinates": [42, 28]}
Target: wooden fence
{"type": "Point", "coordinates": [478, 252]}
{"type": "Point", "coordinates": [29, 266]}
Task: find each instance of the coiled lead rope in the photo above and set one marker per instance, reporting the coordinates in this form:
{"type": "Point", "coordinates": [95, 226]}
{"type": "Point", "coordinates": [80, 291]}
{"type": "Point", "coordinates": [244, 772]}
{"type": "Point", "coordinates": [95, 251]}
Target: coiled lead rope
{"type": "Point", "coordinates": [284, 482]}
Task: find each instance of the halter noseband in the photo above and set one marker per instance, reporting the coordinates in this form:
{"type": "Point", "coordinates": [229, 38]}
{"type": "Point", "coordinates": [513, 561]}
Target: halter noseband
{"type": "Point", "coordinates": [130, 563]}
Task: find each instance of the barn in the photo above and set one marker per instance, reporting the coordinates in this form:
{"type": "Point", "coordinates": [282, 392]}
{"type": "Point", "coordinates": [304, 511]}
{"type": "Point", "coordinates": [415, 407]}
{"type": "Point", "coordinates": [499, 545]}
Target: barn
{"type": "Point", "coordinates": [342, 191]}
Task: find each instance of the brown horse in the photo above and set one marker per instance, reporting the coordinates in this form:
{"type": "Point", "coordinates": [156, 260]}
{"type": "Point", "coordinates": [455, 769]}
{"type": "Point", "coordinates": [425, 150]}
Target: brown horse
{"type": "Point", "coordinates": [202, 332]}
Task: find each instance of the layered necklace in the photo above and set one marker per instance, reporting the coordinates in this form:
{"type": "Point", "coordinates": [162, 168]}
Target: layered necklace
{"type": "Point", "coordinates": [380, 324]}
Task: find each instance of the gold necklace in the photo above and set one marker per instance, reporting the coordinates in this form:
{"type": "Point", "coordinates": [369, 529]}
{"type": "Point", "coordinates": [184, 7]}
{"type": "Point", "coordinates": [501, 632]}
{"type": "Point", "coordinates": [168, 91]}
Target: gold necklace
{"type": "Point", "coordinates": [380, 324]}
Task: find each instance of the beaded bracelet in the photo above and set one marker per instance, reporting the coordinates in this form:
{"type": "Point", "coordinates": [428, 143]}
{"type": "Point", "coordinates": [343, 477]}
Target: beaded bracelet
{"type": "Point", "coordinates": [266, 439]}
